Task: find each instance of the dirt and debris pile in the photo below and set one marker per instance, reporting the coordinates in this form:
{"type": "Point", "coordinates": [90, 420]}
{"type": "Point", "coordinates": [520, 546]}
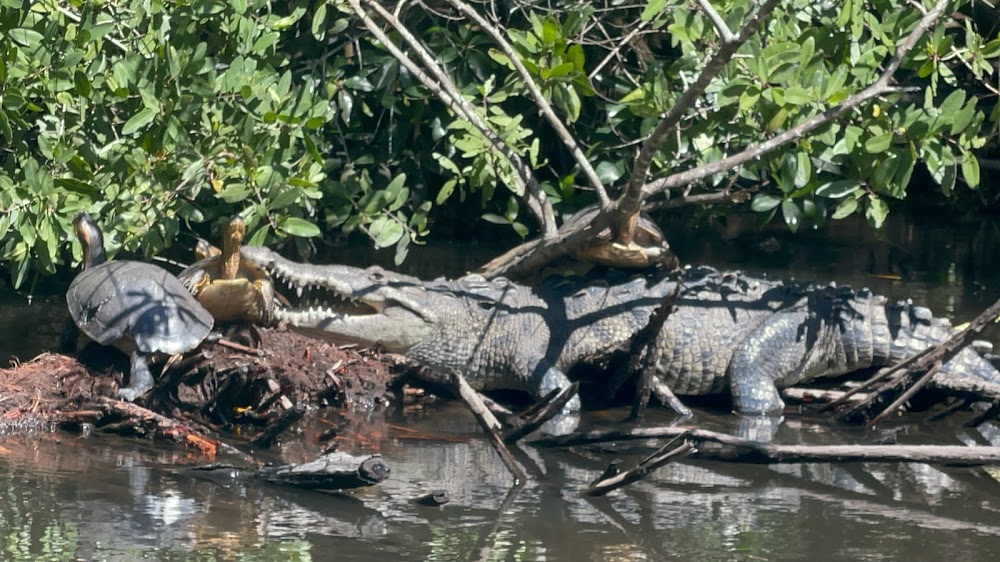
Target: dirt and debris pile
{"type": "Point", "coordinates": [251, 378]}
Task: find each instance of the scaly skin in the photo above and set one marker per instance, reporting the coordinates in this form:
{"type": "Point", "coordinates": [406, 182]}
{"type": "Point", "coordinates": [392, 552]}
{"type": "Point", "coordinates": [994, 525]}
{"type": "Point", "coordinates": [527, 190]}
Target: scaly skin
{"type": "Point", "coordinates": [729, 332]}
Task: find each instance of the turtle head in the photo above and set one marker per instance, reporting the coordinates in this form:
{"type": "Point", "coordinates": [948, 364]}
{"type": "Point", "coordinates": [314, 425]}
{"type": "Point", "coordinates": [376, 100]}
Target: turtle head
{"type": "Point", "coordinates": [91, 238]}
{"type": "Point", "coordinates": [232, 239]}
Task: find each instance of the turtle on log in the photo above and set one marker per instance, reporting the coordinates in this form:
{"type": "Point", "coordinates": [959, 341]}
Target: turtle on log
{"type": "Point", "coordinates": [137, 307]}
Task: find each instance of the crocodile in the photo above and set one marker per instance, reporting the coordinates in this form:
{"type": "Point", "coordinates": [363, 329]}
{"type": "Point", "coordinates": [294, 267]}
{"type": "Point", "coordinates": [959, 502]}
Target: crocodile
{"type": "Point", "coordinates": [729, 331]}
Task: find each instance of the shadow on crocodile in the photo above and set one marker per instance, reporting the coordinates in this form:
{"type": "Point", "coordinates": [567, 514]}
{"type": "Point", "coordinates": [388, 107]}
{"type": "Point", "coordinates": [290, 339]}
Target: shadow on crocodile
{"type": "Point", "coordinates": [730, 333]}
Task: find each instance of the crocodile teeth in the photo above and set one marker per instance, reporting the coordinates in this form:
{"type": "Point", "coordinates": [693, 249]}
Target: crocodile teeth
{"type": "Point", "coordinates": [298, 291]}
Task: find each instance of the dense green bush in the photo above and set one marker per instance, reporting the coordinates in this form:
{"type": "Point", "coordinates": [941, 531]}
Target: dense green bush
{"type": "Point", "coordinates": [157, 117]}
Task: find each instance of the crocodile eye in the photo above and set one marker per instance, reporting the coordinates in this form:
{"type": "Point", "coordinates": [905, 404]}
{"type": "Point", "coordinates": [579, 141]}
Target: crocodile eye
{"type": "Point", "coordinates": [376, 276]}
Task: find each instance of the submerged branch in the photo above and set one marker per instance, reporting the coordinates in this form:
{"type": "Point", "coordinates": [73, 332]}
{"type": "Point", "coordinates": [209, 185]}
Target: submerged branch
{"type": "Point", "coordinates": [491, 426]}
{"type": "Point", "coordinates": [716, 446]}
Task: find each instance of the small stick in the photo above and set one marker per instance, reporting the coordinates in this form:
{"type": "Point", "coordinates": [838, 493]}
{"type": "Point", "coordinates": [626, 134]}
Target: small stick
{"type": "Point", "coordinates": [908, 393]}
{"type": "Point", "coordinates": [490, 425]}
{"type": "Point", "coordinates": [277, 427]}
{"type": "Point", "coordinates": [661, 457]}
{"type": "Point", "coordinates": [815, 395]}
{"type": "Point", "coordinates": [667, 397]}
{"type": "Point", "coordinates": [535, 417]}
{"type": "Point", "coordinates": [641, 357]}
{"type": "Point", "coordinates": [240, 347]}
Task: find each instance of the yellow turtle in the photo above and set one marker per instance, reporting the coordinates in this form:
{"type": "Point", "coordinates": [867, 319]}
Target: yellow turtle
{"type": "Point", "coordinates": [231, 288]}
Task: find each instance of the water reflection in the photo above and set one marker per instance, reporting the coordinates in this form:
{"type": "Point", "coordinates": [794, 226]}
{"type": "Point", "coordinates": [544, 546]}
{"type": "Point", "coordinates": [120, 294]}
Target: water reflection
{"type": "Point", "coordinates": [66, 498]}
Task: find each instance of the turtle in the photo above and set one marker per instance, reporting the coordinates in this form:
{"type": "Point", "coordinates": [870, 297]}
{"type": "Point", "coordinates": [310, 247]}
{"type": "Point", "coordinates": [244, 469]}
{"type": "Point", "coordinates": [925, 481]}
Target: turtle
{"type": "Point", "coordinates": [137, 307]}
{"type": "Point", "coordinates": [231, 288]}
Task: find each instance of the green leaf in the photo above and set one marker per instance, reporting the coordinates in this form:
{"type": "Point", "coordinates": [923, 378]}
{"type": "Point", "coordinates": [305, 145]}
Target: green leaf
{"type": "Point", "coordinates": [139, 120]}
{"type": "Point", "coordinates": [608, 172]}
{"type": "Point", "coordinates": [385, 231]}
{"type": "Point", "coordinates": [797, 95]}
{"type": "Point", "coordinates": [878, 143]}
{"type": "Point", "coordinates": [495, 219]}
{"type": "Point", "coordinates": [652, 9]}
{"type": "Point", "coordinates": [792, 214]}
{"type": "Point", "coordinates": [763, 202]}
{"type": "Point", "coordinates": [845, 209]}
{"type": "Point", "coordinates": [319, 22]}
{"type": "Point", "coordinates": [970, 169]}
{"type": "Point", "coordinates": [26, 37]}
{"type": "Point", "coordinates": [803, 169]}
{"type": "Point", "coordinates": [838, 189]}
{"type": "Point", "coordinates": [877, 212]}
{"type": "Point", "coordinates": [298, 227]}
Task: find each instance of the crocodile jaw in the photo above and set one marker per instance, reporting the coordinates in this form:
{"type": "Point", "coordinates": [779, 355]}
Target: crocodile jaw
{"type": "Point", "coordinates": [383, 306]}
{"type": "Point", "coordinates": [395, 329]}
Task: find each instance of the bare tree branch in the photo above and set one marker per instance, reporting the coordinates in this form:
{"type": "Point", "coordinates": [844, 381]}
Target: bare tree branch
{"type": "Point", "coordinates": [717, 21]}
{"type": "Point", "coordinates": [540, 101]}
{"type": "Point", "coordinates": [628, 204]}
{"type": "Point", "coordinates": [446, 90]}
{"type": "Point", "coordinates": [879, 87]}
{"type": "Point", "coordinates": [535, 254]}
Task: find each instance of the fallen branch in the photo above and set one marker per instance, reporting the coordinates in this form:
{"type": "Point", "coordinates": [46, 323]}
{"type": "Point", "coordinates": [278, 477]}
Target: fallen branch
{"type": "Point", "coordinates": [645, 467]}
{"type": "Point", "coordinates": [490, 425]}
{"type": "Point", "coordinates": [139, 418]}
{"type": "Point", "coordinates": [643, 357]}
{"type": "Point", "coordinates": [541, 412]}
{"type": "Point", "coordinates": [923, 365]}
{"type": "Point", "coordinates": [711, 445]}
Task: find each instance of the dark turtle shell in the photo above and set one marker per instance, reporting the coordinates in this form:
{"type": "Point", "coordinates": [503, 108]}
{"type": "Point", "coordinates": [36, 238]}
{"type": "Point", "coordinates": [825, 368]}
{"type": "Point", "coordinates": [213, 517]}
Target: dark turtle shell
{"type": "Point", "coordinates": [138, 306]}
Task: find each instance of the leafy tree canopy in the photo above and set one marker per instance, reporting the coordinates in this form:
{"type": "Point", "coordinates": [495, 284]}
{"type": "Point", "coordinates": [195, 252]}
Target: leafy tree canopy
{"type": "Point", "coordinates": [344, 115]}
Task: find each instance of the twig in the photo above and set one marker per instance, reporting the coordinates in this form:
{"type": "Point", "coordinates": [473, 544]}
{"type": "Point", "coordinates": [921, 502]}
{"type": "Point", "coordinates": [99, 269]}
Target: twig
{"type": "Point", "coordinates": [240, 347]}
{"type": "Point", "coordinates": [667, 397]}
{"type": "Point", "coordinates": [879, 87]}
{"type": "Point", "coordinates": [661, 457]}
{"type": "Point", "coordinates": [815, 395]}
{"type": "Point", "coordinates": [489, 424]}
{"type": "Point", "coordinates": [720, 24]}
{"type": "Point", "coordinates": [537, 415]}
{"type": "Point", "coordinates": [928, 362]}
{"type": "Point", "coordinates": [267, 437]}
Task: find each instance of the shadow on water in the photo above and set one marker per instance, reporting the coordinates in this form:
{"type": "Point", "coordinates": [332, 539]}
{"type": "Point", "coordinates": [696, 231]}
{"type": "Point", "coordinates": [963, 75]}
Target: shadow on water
{"type": "Point", "coordinates": [65, 498]}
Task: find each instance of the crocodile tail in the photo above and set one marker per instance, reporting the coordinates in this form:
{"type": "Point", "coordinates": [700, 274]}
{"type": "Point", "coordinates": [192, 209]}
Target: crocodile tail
{"type": "Point", "coordinates": [916, 329]}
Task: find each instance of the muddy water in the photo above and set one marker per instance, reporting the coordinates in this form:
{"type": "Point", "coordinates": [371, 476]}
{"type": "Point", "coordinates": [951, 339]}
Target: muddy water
{"type": "Point", "coordinates": [68, 497]}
